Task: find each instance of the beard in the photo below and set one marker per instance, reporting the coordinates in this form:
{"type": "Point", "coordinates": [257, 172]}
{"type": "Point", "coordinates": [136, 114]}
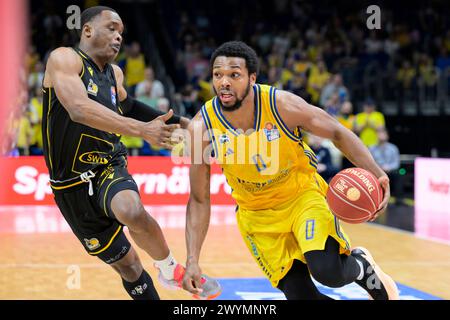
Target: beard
{"type": "Point", "coordinates": [238, 102]}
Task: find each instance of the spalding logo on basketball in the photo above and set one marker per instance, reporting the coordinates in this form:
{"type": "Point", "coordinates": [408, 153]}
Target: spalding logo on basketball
{"type": "Point", "coordinates": [354, 195]}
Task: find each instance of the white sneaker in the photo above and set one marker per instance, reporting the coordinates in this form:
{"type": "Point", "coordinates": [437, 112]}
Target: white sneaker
{"type": "Point", "coordinates": [388, 284]}
{"type": "Point", "coordinates": [210, 287]}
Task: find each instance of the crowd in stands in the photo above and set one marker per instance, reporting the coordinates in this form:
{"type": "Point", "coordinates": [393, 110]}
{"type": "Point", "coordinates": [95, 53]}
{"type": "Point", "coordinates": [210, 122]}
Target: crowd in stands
{"type": "Point", "coordinates": [323, 60]}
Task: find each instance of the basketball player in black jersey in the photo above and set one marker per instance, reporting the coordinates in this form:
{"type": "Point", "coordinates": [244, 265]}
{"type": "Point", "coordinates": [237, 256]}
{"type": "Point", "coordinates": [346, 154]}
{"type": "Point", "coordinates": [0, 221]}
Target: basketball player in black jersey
{"type": "Point", "coordinates": [86, 109]}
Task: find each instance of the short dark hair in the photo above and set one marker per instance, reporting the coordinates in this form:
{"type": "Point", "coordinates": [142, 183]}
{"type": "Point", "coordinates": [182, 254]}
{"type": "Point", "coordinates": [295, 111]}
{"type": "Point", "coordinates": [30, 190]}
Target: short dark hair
{"type": "Point", "coordinates": [238, 49]}
{"type": "Point", "coordinates": [369, 102]}
{"type": "Point", "coordinates": [90, 13]}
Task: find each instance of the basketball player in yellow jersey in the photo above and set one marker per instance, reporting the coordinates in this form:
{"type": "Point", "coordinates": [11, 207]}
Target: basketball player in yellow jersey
{"type": "Point", "coordinates": [255, 133]}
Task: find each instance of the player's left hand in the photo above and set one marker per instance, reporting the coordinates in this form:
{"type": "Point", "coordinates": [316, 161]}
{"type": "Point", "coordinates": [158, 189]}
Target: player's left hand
{"type": "Point", "coordinates": [192, 278]}
{"type": "Point", "coordinates": [384, 182]}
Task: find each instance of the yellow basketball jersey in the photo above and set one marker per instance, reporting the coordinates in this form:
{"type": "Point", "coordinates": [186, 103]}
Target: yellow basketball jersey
{"type": "Point", "coordinates": [266, 167]}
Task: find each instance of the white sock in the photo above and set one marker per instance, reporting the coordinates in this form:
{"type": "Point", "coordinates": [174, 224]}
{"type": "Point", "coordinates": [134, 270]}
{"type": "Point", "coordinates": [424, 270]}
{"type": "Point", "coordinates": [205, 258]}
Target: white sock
{"type": "Point", "coordinates": [361, 273]}
{"type": "Point", "coordinates": [167, 266]}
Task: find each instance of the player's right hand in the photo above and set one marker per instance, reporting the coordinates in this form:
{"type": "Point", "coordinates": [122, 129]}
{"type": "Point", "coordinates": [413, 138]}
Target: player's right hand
{"type": "Point", "coordinates": [384, 183]}
{"type": "Point", "coordinates": [158, 133]}
{"type": "Point", "coordinates": [192, 278]}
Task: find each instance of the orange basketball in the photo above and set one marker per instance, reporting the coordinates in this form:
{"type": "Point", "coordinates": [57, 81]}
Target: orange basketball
{"type": "Point", "coordinates": [354, 195]}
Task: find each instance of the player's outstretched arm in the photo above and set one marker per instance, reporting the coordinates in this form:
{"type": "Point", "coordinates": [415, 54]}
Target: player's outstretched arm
{"type": "Point", "coordinates": [199, 206]}
{"type": "Point", "coordinates": [296, 112]}
{"type": "Point", "coordinates": [62, 73]}
{"type": "Point", "coordinates": [138, 110]}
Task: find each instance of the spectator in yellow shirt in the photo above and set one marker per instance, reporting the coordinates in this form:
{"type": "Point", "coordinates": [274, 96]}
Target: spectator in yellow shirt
{"type": "Point", "coordinates": [318, 78]}
{"type": "Point", "coordinates": [287, 73]}
{"type": "Point", "coordinates": [134, 68]}
{"type": "Point", "coordinates": [406, 75]}
{"type": "Point", "coordinates": [345, 116]}
{"type": "Point", "coordinates": [25, 134]}
{"type": "Point", "coordinates": [302, 65]}
{"type": "Point", "coordinates": [427, 71]}
{"type": "Point", "coordinates": [368, 122]}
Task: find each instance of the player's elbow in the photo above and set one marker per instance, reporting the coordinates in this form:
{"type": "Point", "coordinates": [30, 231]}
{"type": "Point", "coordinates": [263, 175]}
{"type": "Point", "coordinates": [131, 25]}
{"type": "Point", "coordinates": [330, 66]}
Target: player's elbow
{"type": "Point", "coordinates": [339, 133]}
{"type": "Point", "coordinates": [76, 115]}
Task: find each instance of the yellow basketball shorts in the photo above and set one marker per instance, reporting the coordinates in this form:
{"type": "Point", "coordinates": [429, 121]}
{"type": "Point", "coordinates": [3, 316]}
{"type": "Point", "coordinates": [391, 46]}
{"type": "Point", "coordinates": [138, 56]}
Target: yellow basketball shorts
{"type": "Point", "coordinates": [275, 237]}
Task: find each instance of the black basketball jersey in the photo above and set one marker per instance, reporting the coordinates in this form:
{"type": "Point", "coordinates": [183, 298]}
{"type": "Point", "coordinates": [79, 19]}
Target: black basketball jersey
{"type": "Point", "coordinates": [71, 148]}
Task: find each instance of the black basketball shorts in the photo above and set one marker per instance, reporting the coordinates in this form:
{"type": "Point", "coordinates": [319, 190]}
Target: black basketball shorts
{"type": "Point", "coordinates": [90, 216]}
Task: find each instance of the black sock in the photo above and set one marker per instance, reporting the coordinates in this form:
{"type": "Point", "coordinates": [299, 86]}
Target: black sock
{"type": "Point", "coordinates": [370, 281]}
{"type": "Point", "coordinates": [142, 288]}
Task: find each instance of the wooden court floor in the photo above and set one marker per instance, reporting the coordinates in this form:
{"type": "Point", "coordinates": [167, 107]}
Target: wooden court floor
{"type": "Point", "coordinates": [43, 265]}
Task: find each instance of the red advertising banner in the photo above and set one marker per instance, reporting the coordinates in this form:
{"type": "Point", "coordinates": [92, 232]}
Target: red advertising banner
{"type": "Point", "coordinates": [25, 181]}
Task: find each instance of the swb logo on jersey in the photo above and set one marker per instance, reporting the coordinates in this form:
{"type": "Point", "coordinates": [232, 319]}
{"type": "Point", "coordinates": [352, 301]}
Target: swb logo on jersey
{"type": "Point", "coordinates": [271, 132]}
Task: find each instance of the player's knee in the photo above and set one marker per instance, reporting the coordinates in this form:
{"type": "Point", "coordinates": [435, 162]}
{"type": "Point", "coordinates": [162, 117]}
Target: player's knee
{"type": "Point", "coordinates": [327, 274]}
{"type": "Point", "coordinates": [132, 214]}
